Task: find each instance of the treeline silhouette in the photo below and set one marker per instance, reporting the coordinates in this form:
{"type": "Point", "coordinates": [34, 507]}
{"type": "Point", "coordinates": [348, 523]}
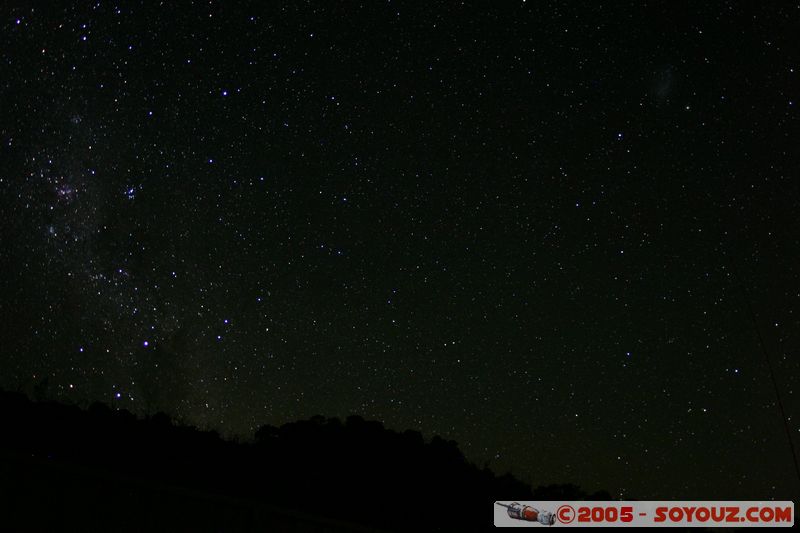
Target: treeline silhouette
{"type": "Point", "coordinates": [65, 468]}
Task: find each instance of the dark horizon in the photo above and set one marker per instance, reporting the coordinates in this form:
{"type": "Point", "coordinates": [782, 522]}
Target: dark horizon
{"type": "Point", "coordinates": [90, 466]}
{"type": "Point", "coordinates": [536, 228]}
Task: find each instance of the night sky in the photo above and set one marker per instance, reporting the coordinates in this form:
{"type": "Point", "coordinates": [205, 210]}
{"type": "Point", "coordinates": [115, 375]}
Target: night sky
{"type": "Point", "coordinates": [530, 227]}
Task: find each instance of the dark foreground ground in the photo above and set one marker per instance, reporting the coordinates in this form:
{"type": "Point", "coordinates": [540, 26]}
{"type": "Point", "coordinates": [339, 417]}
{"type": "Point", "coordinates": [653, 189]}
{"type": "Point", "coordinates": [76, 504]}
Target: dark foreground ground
{"type": "Point", "coordinates": [67, 469]}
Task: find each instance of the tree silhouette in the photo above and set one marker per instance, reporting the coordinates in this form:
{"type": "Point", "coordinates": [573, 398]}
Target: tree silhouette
{"type": "Point", "coordinates": [89, 467]}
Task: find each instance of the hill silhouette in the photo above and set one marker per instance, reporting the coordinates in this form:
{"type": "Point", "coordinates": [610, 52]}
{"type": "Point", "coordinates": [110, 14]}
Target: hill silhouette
{"type": "Point", "coordinates": [63, 467]}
